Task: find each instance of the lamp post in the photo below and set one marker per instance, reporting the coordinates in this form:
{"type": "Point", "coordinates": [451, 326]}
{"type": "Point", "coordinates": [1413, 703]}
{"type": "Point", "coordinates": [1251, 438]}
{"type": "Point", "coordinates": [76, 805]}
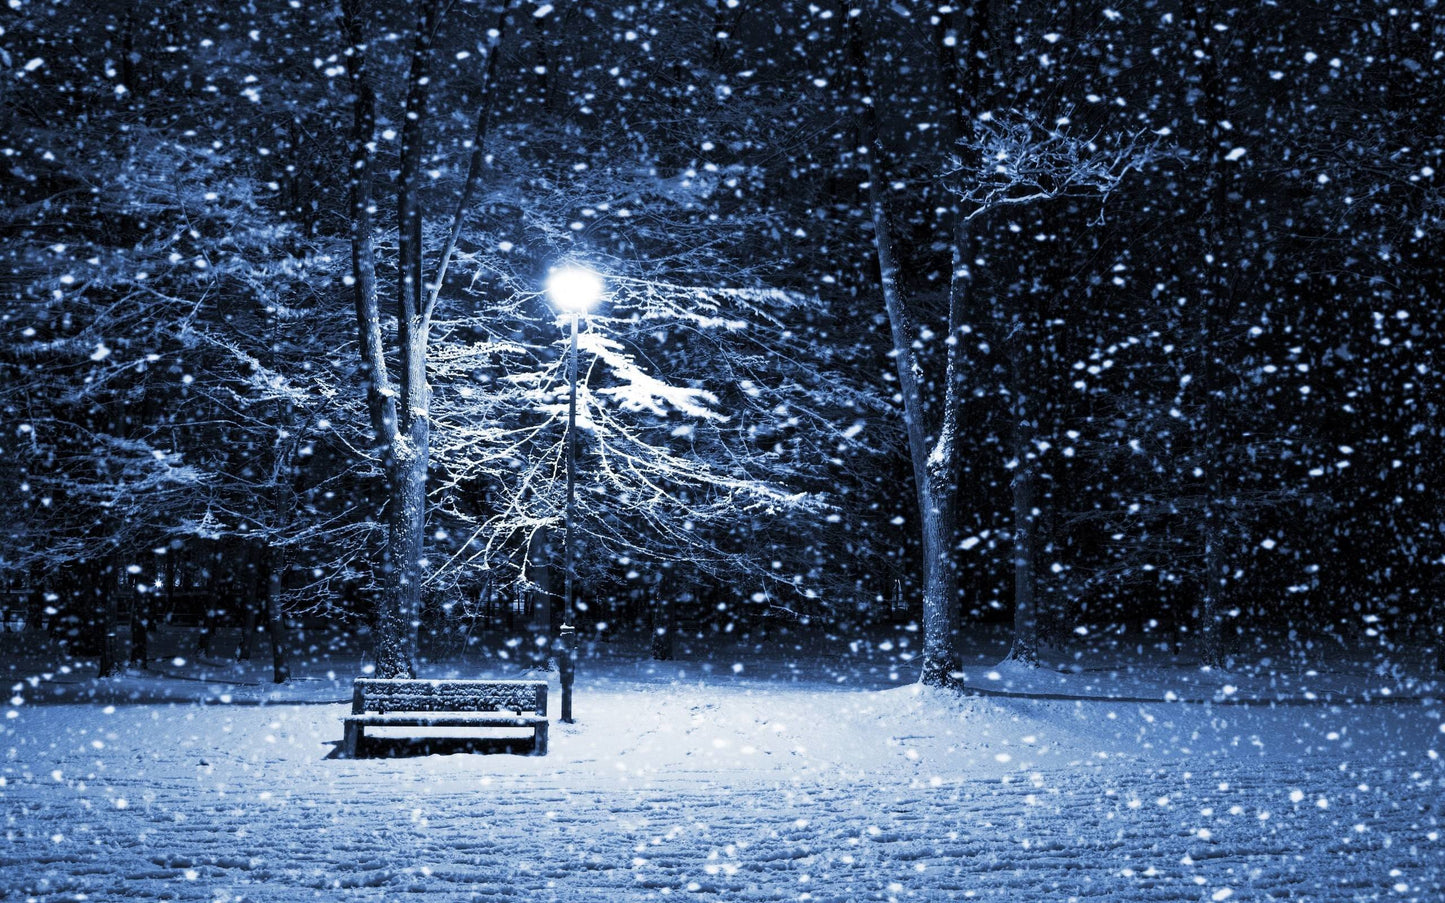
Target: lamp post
{"type": "Point", "coordinates": [573, 290]}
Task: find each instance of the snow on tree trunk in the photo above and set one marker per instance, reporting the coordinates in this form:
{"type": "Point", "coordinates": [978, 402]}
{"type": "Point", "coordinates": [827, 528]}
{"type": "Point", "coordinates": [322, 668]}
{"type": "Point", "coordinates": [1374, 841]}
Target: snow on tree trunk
{"type": "Point", "coordinates": [940, 593]}
{"type": "Point", "coordinates": [398, 615]}
{"type": "Point", "coordinates": [930, 470]}
{"type": "Point", "coordinates": [400, 413]}
{"type": "Point", "coordinates": [408, 454]}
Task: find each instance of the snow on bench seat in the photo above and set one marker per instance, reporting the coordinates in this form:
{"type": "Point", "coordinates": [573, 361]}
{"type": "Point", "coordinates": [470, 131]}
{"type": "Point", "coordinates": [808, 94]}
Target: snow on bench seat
{"type": "Point", "coordinates": [395, 702]}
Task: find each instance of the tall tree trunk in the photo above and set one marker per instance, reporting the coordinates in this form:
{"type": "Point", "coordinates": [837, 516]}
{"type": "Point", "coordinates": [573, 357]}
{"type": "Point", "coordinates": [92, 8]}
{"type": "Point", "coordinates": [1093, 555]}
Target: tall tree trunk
{"type": "Point", "coordinates": [932, 451]}
{"type": "Point", "coordinates": [944, 458]}
{"type": "Point", "coordinates": [396, 606]}
{"type": "Point", "coordinates": [409, 452]}
{"type": "Point", "coordinates": [930, 471]}
{"type": "Point", "coordinates": [401, 415]}
{"type": "Point", "coordinates": [398, 620]}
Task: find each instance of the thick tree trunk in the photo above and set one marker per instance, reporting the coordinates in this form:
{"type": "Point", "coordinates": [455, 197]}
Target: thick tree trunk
{"type": "Point", "coordinates": [395, 638]}
{"type": "Point", "coordinates": [932, 442]}
{"type": "Point", "coordinates": [940, 595]}
{"type": "Point", "coordinates": [409, 451]}
{"type": "Point", "coordinates": [398, 616]}
{"type": "Point", "coordinates": [401, 415]}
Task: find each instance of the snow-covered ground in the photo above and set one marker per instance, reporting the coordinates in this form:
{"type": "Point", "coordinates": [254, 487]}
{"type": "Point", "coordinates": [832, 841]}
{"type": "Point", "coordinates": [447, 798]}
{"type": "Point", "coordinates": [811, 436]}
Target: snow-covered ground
{"type": "Point", "coordinates": [790, 770]}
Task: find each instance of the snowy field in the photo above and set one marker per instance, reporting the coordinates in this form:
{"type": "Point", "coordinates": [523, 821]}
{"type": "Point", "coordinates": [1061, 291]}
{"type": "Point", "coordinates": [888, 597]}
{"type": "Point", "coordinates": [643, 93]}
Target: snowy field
{"type": "Point", "coordinates": [813, 771]}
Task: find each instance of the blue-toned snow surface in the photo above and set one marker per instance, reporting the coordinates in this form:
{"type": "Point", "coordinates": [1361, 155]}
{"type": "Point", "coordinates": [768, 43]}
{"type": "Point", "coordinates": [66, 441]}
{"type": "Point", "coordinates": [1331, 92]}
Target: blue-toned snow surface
{"type": "Point", "coordinates": [802, 766]}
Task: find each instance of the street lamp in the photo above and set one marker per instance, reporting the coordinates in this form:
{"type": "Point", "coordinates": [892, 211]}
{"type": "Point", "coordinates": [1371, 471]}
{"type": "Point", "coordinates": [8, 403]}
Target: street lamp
{"type": "Point", "coordinates": [574, 290]}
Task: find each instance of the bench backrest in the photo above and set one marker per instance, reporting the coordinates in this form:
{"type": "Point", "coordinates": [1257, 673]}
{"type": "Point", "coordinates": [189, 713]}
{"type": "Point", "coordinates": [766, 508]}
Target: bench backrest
{"type": "Point", "coordinates": [371, 694]}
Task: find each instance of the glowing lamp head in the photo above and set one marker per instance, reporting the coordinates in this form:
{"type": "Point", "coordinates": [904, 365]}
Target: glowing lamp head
{"type": "Point", "coordinates": [574, 290]}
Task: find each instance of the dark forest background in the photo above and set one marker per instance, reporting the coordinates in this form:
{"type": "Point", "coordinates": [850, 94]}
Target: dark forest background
{"type": "Point", "coordinates": [1146, 293]}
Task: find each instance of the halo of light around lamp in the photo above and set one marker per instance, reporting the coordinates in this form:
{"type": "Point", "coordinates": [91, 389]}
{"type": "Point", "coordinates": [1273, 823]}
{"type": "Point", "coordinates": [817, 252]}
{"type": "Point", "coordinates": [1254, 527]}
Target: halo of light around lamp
{"type": "Point", "coordinates": [574, 290]}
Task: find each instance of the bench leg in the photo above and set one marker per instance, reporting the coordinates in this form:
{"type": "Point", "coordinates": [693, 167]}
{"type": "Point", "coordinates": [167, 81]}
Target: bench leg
{"type": "Point", "coordinates": [539, 740]}
{"type": "Point", "coordinates": [351, 740]}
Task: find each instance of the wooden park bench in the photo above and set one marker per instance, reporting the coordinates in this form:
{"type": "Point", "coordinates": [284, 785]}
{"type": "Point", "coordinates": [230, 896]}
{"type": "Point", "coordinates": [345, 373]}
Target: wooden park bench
{"type": "Point", "coordinates": [377, 702]}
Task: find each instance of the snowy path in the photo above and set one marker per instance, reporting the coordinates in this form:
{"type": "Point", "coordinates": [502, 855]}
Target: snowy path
{"type": "Point", "coordinates": [1100, 837]}
{"type": "Point", "coordinates": [712, 795]}
{"type": "Point", "coordinates": [1113, 837]}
